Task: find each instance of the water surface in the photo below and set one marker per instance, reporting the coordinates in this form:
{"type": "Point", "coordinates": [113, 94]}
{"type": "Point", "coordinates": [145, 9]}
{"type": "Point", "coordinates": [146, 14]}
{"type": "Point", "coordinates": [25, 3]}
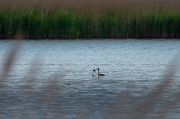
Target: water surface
{"type": "Point", "coordinates": [131, 64]}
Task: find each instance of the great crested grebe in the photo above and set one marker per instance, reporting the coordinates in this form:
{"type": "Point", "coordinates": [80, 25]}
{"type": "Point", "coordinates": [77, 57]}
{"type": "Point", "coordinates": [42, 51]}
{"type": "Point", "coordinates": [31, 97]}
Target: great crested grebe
{"type": "Point", "coordinates": [99, 73]}
{"type": "Point", "coordinates": [93, 75]}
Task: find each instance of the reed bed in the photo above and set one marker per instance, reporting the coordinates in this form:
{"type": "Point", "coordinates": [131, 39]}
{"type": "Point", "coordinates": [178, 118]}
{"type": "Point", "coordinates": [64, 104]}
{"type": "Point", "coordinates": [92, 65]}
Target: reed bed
{"type": "Point", "coordinates": [90, 19]}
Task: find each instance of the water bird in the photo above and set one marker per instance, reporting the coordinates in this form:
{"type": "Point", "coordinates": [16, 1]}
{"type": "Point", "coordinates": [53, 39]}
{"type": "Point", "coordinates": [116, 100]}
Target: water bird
{"type": "Point", "coordinates": [99, 73]}
{"type": "Point", "coordinates": [93, 75]}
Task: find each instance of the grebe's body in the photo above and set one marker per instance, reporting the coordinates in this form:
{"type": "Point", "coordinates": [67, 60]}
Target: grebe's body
{"type": "Point", "coordinates": [99, 73]}
{"type": "Point", "coordinates": [93, 75]}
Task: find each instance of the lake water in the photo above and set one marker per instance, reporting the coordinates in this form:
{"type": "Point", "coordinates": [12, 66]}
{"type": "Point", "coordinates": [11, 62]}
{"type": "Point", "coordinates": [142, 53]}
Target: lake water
{"type": "Point", "coordinates": [53, 78]}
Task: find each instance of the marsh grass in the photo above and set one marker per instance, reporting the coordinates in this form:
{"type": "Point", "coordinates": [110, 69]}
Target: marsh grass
{"type": "Point", "coordinates": [90, 19]}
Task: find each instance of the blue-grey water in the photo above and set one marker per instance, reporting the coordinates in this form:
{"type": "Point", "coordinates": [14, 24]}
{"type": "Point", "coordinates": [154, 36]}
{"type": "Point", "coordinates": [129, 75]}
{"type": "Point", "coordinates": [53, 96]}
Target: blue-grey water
{"type": "Point", "coordinates": [53, 78]}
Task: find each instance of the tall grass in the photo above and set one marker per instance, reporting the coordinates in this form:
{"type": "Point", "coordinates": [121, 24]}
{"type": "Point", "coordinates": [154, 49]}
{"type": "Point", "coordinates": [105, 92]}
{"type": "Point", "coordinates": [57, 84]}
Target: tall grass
{"type": "Point", "coordinates": [90, 19]}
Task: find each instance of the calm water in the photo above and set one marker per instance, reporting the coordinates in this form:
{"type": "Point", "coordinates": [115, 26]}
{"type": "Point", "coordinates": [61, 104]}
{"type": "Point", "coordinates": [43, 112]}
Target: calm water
{"type": "Point", "coordinates": [133, 65]}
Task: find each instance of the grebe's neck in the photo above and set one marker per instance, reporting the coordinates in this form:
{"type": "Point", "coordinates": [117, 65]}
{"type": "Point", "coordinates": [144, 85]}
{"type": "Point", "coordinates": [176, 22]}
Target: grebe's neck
{"type": "Point", "coordinates": [93, 74]}
{"type": "Point", "coordinates": [100, 74]}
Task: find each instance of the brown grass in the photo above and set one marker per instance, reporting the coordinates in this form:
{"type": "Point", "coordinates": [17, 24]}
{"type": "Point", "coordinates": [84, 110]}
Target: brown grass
{"type": "Point", "coordinates": [96, 4]}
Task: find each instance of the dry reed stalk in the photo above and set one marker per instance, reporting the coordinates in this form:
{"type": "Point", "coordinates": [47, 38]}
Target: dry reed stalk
{"type": "Point", "coordinates": [141, 110]}
{"type": "Point", "coordinates": [167, 105]}
{"type": "Point", "coordinates": [8, 62]}
{"type": "Point", "coordinates": [122, 108]}
{"type": "Point", "coordinates": [48, 90]}
{"type": "Point", "coordinates": [95, 4]}
{"type": "Point", "coordinates": [30, 78]}
{"type": "Point", "coordinates": [119, 107]}
{"type": "Point", "coordinates": [85, 111]}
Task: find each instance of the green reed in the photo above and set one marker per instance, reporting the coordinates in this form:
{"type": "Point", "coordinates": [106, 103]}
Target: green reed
{"type": "Point", "coordinates": [89, 23]}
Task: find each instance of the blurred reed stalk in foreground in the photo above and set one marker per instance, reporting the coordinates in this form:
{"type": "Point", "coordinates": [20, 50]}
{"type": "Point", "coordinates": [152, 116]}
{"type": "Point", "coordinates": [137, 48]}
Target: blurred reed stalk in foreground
{"type": "Point", "coordinates": [123, 108]}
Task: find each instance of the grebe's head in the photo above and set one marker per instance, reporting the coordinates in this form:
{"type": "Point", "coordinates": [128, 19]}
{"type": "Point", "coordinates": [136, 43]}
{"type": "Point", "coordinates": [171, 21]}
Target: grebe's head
{"type": "Point", "coordinates": [94, 70]}
{"type": "Point", "coordinates": [98, 69]}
